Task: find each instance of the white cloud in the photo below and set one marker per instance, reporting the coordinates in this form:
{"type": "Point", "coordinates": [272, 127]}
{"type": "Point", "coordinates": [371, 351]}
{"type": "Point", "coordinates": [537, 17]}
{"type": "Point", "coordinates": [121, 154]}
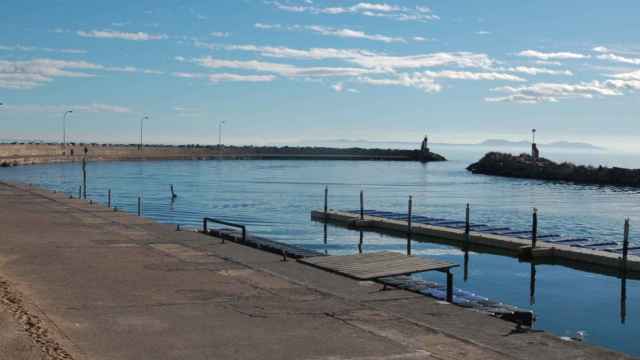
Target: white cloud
{"type": "Point", "coordinates": [367, 59]}
{"type": "Point", "coordinates": [29, 74]}
{"type": "Point", "coordinates": [223, 77]}
{"type": "Point", "coordinates": [112, 34]}
{"type": "Point", "coordinates": [339, 87]}
{"type": "Point", "coordinates": [286, 70]}
{"type": "Point", "coordinates": [267, 26]}
{"type": "Point", "coordinates": [424, 83]}
{"type": "Point", "coordinates": [552, 55]}
{"type": "Point", "coordinates": [537, 71]}
{"type": "Point", "coordinates": [349, 33]}
{"type": "Point", "coordinates": [633, 75]}
{"type": "Point", "coordinates": [331, 31]}
{"type": "Point", "coordinates": [483, 32]}
{"type": "Point", "coordinates": [220, 34]}
{"type": "Point", "coordinates": [468, 75]}
{"type": "Point", "coordinates": [600, 49]}
{"type": "Point", "coordinates": [91, 108]}
{"type": "Point", "coordinates": [382, 10]}
{"type": "Point", "coordinates": [554, 92]}
{"type": "Point", "coordinates": [619, 59]}
{"type": "Point", "coordinates": [45, 49]}
{"type": "Point", "coordinates": [420, 38]}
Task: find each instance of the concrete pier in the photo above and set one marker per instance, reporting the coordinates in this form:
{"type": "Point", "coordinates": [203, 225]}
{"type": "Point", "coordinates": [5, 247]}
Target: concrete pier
{"type": "Point", "coordinates": [600, 261]}
{"type": "Point", "coordinates": [80, 281]}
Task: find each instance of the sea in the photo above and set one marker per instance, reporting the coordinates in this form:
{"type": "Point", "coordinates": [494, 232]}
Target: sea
{"type": "Point", "coordinates": [274, 199]}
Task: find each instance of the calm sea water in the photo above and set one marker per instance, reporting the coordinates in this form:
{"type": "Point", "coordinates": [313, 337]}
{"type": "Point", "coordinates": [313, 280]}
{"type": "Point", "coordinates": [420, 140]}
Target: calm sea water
{"type": "Point", "coordinates": [275, 198]}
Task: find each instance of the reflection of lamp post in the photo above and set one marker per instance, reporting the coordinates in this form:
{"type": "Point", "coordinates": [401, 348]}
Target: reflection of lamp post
{"type": "Point", "coordinates": [220, 132]}
{"type": "Point", "coordinates": [141, 126]}
{"type": "Point", "coordinates": [64, 127]}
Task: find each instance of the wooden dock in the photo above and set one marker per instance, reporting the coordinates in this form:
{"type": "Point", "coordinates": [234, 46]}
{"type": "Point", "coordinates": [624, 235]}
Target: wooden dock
{"type": "Point", "coordinates": [546, 249]}
{"type": "Point", "coordinates": [373, 266]}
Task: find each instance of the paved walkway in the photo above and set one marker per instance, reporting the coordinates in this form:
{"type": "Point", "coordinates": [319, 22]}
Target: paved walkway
{"type": "Point", "coordinates": [79, 281]}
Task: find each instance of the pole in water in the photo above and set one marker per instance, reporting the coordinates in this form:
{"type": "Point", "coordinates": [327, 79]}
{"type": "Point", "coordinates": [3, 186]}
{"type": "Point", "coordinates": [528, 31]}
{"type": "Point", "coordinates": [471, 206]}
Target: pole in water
{"type": "Point", "coordinates": [84, 177]}
{"type": "Point", "coordinates": [80, 192]}
{"type": "Point", "coordinates": [625, 247]}
{"type": "Point", "coordinates": [361, 205]}
{"type": "Point", "coordinates": [139, 206]}
{"type": "Point", "coordinates": [467, 225]}
{"type": "Point", "coordinates": [109, 198]}
{"type": "Point", "coordinates": [534, 229]}
{"type": "Point", "coordinates": [360, 243]}
{"type": "Point", "coordinates": [173, 193]}
{"type": "Point", "coordinates": [326, 201]}
{"type": "Point", "coordinates": [409, 216]}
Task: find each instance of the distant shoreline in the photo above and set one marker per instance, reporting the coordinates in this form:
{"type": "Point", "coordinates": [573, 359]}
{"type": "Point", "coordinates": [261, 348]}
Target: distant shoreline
{"type": "Point", "coordinates": [31, 154]}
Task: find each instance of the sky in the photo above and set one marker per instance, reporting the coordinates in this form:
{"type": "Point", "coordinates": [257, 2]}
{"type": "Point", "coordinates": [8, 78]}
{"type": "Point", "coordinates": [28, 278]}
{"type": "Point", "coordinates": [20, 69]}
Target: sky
{"type": "Point", "coordinates": [300, 71]}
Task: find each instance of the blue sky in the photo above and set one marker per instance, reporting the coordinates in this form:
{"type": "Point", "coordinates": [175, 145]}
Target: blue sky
{"type": "Point", "coordinates": [292, 71]}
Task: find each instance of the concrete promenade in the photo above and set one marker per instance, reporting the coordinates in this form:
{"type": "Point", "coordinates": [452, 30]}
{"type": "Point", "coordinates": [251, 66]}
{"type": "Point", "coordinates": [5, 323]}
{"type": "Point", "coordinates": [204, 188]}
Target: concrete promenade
{"type": "Point", "coordinates": [79, 281]}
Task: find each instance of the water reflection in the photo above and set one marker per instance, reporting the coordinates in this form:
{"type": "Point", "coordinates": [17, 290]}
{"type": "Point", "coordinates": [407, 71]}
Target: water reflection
{"type": "Point", "coordinates": [532, 285]}
{"type": "Point", "coordinates": [623, 298]}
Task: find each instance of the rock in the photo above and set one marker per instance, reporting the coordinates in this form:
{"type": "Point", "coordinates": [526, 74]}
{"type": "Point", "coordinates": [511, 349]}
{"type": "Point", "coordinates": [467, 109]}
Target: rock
{"type": "Point", "coordinates": [524, 166]}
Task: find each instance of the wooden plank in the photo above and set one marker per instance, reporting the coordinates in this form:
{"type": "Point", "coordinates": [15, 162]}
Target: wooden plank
{"type": "Point", "coordinates": [376, 265]}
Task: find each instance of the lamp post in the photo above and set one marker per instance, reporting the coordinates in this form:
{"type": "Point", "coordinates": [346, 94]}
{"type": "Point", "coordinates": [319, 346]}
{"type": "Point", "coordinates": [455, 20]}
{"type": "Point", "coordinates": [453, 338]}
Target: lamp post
{"type": "Point", "coordinates": [141, 127]}
{"type": "Point", "coordinates": [220, 132]}
{"type": "Point", "coordinates": [533, 136]}
{"type": "Point", "coordinates": [64, 128]}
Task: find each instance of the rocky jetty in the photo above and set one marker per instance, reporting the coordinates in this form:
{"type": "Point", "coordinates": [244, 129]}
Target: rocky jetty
{"type": "Point", "coordinates": [524, 166]}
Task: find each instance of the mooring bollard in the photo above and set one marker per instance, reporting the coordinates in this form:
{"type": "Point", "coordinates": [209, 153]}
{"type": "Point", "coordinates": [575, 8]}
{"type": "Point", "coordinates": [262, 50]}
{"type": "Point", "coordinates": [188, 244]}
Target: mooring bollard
{"type": "Point", "coordinates": [534, 229]}
{"type": "Point", "coordinates": [625, 247]}
{"type": "Point", "coordinates": [109, 198]}
{"type": "Point", "coordinates": [326, 201]}
{"type": "Point", "coordinates": [361, 205]}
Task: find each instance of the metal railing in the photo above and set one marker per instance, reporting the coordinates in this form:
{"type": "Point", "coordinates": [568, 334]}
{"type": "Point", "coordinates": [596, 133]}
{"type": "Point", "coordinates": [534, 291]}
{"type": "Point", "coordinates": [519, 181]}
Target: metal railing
{"type": "Point", "coordinates": [205, 226]}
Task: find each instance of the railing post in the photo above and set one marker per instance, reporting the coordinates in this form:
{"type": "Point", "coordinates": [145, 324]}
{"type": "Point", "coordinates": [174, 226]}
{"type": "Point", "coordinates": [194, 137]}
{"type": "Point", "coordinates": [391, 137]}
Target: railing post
{"type": "Point", "coordinates": [625, 247]}
{"type": "Point", "coordinates": [361, 204]}
{"type": "Point", "coordinates": [109, 198]}
{"type": "Point", "coordinates": [534, 229]}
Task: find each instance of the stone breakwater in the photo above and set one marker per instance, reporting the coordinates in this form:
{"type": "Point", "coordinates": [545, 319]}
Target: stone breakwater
{"type": "Point", "coordinates": [524, 166]}
{"type": "Point", "coordinates": [26, 154]}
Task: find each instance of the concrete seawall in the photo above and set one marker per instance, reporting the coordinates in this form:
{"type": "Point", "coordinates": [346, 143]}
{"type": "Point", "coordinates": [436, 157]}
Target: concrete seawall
{"type": "Point", "coordinates": [26, 154]}
{"type": "Point", "coordinates": [80, 281]}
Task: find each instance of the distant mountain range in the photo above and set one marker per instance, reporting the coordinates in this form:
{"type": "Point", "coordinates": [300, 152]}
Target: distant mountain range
{"type": "Point", "coordinates": [524, 143]}
{"type": "Point", "coordinates": [486, 143]}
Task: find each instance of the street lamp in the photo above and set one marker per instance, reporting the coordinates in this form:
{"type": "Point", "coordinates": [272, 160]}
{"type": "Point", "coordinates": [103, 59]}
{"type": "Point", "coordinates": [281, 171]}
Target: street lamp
{"type": "Point", "coordinates": [533, 136]}
{"type": "Point", "coordinates": [220, 132]}
{"type": "Point", "coordinates": [64, 127]}
{"type": "Point", "coordinates": [141, 127]}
